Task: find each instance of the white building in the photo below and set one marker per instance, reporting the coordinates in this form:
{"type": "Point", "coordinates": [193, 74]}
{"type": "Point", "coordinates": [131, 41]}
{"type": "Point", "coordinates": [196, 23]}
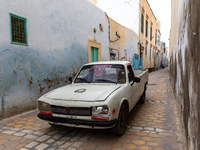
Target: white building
{"type": "Point", "coordinates": [42, 44]}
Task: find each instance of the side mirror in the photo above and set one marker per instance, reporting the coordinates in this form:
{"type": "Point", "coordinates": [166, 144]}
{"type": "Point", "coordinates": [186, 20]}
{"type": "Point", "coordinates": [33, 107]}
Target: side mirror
{"type": "Point", "coordinates": [137, 79]}
{"type": "Point", "coordinates": [70, 79]}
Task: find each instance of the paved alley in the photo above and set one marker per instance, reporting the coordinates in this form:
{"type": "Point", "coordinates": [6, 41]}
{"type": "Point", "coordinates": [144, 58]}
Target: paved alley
{"type": "Point", "coordinates": [154, 125]}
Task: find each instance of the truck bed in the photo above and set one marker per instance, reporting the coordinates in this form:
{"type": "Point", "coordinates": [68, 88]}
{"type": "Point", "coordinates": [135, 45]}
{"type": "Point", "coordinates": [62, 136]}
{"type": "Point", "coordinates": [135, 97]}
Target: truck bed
{"type": "Point", "coordinates": [139, 72]}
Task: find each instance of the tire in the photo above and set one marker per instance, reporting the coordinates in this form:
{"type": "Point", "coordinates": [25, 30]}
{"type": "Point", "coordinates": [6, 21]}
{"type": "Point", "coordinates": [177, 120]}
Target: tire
{"type": "Point", "coordinates": [120, 127]}
{"type": "Point", "coordinates": [143, 97]}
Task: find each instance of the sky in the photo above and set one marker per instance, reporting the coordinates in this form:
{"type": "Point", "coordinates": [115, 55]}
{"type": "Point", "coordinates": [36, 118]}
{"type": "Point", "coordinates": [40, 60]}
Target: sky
{"type": "Point", "coordinates": [120, 10]}
{"type": "Point", "coordinates": [162, 10]}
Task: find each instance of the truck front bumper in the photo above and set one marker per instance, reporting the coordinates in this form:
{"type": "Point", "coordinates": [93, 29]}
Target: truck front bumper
{"type": "Point", "coordinates": [78, 122]}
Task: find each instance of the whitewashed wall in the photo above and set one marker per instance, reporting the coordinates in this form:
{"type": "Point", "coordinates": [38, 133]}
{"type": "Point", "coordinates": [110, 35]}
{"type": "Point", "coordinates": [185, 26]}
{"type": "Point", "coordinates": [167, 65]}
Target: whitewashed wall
{"type": "Point", "coordinates": [58, 33]}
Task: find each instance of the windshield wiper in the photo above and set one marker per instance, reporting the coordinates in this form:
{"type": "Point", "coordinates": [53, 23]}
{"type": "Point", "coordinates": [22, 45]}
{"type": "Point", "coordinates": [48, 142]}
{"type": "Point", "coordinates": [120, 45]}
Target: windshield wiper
{"type": "Point", "coordinates": [82, 79]}
{"type": "Point", "coordinates": [107, 81]}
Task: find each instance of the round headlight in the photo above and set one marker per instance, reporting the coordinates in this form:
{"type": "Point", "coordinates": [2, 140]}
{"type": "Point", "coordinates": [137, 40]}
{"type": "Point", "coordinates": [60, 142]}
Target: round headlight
{"type": "Point", "coordinates": [100, 110]}
{"type": "Point", "coordinates": [42, 106]}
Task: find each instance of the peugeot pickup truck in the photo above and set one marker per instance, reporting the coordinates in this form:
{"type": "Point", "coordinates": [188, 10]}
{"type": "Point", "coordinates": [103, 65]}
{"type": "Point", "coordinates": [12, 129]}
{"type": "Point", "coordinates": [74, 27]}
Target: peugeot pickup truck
{"type": "Point", "coordinates": [100, 96]}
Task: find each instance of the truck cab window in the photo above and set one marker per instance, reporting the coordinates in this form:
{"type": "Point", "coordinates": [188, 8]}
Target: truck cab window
{"type": "Point", "coordinates": [130, 73]}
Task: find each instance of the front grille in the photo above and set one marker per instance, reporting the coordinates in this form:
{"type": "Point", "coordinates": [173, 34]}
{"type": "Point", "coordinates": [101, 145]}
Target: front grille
{"type": "Point", "coordinates": [78, 111]}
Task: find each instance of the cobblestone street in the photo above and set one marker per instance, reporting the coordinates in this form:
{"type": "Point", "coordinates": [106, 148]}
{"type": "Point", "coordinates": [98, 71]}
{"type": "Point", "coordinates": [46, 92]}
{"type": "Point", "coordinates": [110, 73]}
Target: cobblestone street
{"type": "Point", "coordinates": [154, 125]}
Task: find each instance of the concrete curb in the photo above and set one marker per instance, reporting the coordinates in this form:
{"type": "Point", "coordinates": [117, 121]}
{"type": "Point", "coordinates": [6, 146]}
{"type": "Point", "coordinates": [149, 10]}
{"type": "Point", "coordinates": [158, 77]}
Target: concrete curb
{"type": "Point", "coordinates": [6, 120]}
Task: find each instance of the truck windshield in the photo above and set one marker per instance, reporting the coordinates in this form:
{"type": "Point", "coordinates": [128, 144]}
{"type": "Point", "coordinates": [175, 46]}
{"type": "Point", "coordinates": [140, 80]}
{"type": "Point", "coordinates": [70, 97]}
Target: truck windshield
{"type": "Point", "coordinates": [101, 74]}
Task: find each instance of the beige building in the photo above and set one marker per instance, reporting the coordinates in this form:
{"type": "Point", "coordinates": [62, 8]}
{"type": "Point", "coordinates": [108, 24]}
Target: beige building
{"type": "Point", "coordinates": [146, 26]}
{"type": "Point", "coordinates": [94, 1]}
{"type": "Point", "coordinates": [122, 41]}
{"type": "Point", "coordinates": [148, 35]}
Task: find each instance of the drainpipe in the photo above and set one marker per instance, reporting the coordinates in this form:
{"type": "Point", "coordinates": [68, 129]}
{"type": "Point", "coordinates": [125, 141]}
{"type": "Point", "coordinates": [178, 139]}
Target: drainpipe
{"type": "Point", "coordinates": [118, 37]}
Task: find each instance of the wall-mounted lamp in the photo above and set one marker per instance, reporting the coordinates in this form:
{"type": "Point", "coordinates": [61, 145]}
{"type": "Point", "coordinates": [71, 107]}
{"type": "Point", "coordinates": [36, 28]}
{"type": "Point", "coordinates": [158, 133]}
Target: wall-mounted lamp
{"type": "Point", "coordinates": [95, 30]}
{"type": "Point", "coordinates": [101, 27]}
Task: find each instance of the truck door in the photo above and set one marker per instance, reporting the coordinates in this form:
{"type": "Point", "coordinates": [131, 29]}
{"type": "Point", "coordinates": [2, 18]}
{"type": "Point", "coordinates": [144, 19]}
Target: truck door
{"type": "Point", "coordinates": [132, 86]}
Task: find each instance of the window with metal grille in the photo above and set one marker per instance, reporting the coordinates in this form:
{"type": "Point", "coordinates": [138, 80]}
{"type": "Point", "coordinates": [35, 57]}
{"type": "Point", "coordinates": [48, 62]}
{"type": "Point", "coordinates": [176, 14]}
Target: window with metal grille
{"type": "Point", "coordinates": [18, 30]}
{"type": "Point", "coordinates": [142, 23]}
{"type": "Point", "coordinates": [146, 28]}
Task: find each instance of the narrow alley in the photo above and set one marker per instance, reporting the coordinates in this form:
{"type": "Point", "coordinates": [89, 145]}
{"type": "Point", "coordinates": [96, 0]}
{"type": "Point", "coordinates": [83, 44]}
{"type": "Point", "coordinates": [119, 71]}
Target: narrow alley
{"type": "Point", "coordinates": [154, 125]}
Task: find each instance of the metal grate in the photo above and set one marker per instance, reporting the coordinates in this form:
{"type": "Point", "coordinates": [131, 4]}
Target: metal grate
{"type": "Point", "coordinates": [71, 110]}
{"type": "Point", "coordinates": [18, 30]}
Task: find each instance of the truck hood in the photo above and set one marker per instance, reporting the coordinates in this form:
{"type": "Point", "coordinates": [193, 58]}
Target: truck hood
{"type": "Point", "coordinates": [82, 92]}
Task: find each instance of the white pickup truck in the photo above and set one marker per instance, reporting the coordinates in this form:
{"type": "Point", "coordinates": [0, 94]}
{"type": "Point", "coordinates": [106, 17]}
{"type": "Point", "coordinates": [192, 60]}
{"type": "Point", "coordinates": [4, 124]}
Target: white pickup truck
{"type": "Point", "coordinates": [100, 96]}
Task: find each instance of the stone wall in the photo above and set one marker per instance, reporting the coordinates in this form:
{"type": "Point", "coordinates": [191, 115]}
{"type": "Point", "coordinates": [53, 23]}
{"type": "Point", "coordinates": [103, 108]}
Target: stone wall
{"type": "Point", "coordinates": [185, 65]}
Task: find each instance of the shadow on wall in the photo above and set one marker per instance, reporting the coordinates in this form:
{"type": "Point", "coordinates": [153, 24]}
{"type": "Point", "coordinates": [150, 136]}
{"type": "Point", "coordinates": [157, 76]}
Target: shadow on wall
{"type": "Point", "coordinates": [184, 67]}
{"type": "Point", "coordinates": [27, 76]}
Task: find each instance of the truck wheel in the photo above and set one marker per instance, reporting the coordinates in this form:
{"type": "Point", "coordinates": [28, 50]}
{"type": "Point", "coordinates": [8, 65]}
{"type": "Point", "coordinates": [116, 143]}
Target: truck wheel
{"type": "Point", "coordinates": [120, 127]}
{"type": "Point", "coordinates": [143, 97]}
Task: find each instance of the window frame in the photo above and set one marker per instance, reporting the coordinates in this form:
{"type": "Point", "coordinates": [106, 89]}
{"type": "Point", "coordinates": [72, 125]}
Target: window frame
{"type": "Point", "coordinates": [153, 53]}
{"type": "Point", "coordinates": [150, 54]}
{"type": "Point", "coordinates": [92, 43]}
{"type": "Point", "coordinates": [145, 50]}
{"type": "Point", "coordinates": [131, 69]}
{"type": "Point", "coordinates": [146, 28]}
{"type": "Point", "coordinates": [142, 23]}
{"type": "Point", "coordinates": [26, 30]}
{"type": "Point", "coordinates": [151, 33]}
{"type": "Point", "coordinates": [155, 38]}
{"type": "Point", "coordinates": [159, 40]}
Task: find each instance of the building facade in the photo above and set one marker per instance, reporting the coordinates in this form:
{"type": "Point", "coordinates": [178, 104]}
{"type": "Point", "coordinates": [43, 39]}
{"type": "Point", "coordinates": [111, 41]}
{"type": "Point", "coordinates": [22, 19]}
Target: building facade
{"type": "Point", "coordinates": [138, 16]}
{"type": "Point", "coordinates": [123, 31]}
{"type": "Point", "coordinates": [42, 44]}
{"type": "Point", "coordinates": [122, 42]}
{"type": "Point", "coordinates": [157, 56]}
{"type": "Point", "coordinates": [148, 35]}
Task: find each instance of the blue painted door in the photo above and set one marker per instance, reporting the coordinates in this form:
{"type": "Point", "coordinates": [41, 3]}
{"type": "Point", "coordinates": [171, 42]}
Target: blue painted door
{"type": "Point", "coordinates": [94, 54]}
{"type": "Point", "coordinates": [137, 62]}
